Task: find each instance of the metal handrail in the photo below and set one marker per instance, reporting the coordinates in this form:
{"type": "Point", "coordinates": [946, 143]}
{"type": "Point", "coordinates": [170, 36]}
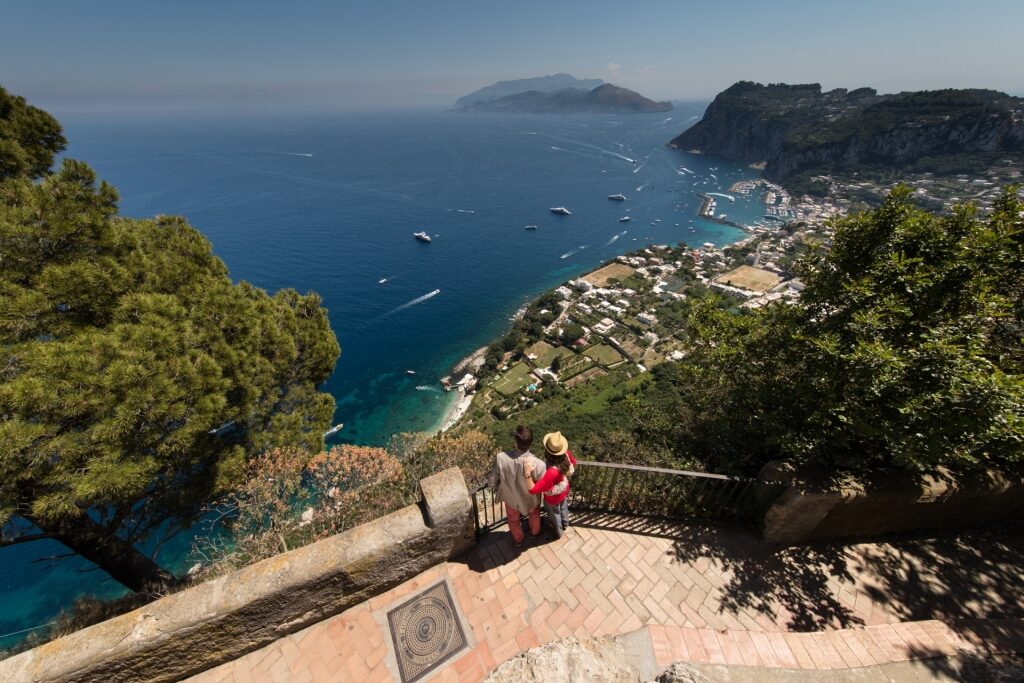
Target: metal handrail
{"type": "Point", "coordinates": [654, 492]}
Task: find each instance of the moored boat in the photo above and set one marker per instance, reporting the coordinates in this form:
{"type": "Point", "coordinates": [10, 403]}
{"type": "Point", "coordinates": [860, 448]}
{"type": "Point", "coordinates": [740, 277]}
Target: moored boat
{"type": "Point", "coordinates": [617, 197]}
{"type": "Point", "coordinates": [561, 210]}
{"type": "Point", "coordinates": [422, 236]}
{"type": "Point", "coordinates": [334, 430]}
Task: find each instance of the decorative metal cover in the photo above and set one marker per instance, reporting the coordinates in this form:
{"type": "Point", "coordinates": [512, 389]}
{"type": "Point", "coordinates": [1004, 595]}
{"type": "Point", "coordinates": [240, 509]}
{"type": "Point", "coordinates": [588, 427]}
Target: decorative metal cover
{"type": "Point", "coordinates": [426, 632]}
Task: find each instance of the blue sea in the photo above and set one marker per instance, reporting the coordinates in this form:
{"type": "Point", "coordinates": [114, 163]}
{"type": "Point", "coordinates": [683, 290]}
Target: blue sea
{"type": "Point", "coordinates": [329, 203]}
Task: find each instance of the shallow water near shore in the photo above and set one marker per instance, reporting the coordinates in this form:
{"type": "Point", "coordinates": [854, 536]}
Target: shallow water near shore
{"type": "Point", "coordinates": [329, 203]}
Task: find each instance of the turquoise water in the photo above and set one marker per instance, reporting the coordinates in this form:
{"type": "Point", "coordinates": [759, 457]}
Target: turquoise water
{"type": "Point", "coordinates": [329, 203]}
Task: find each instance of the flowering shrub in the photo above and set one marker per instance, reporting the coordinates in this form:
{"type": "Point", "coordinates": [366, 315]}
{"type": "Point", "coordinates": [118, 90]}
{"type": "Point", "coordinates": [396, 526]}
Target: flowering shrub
{"type": "Point", "coordinates": [290, 498]}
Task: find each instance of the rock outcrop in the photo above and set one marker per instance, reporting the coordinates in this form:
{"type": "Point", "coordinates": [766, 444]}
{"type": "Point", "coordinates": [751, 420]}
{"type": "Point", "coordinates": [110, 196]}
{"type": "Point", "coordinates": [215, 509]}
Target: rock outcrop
{"type": "Point", "coordinates": [798, 130]}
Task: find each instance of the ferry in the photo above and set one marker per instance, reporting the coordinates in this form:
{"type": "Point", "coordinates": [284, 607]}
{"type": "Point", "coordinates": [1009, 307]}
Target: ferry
{"type": "Point", "coordinates": [625, 219]}
{"type": "Point", "coordinates": [334, 430]}
{"type": "Point", "coordinates": [561, 210]}
{"type": "Point", "coordinates": [617, 197]}
{"type": "Point", "coordinates": [530, 227]}
{"type": "Point", "coordinates": [422, 236]}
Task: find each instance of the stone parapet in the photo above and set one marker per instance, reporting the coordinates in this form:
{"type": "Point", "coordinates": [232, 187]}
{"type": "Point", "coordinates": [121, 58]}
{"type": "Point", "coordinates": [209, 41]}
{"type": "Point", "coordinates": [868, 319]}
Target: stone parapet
{"type": "Point", "coordinates": [891, 503]}
{"type": "Point", "coordinates": [224, 618]}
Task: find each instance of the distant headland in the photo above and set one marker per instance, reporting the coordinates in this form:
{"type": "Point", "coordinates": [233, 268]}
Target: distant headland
{"type": "Point", "coordinates": [809, 139]}
{"type": "Point", "coordinates": [557, 94]}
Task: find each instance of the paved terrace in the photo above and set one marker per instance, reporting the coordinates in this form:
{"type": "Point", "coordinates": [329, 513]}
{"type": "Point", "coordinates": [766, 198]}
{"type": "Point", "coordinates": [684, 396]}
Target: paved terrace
{"type": "Point", "coordinates": [702, 595]}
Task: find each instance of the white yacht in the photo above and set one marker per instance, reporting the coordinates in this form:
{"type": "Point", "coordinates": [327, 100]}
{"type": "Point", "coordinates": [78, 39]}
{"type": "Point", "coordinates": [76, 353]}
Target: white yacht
{"type": "Point", "coordinates": [530, 227]}
{"type": "Point", "coordinates": [334, 430]}
{"type": "Point", "coordinates": [561, 210]}
{"type": "Point", "coordinates": [617, 197]}
{"type": "Point", "coordinates": [422, 236]}
{"type": "Point", "coordinates": [625, 219]}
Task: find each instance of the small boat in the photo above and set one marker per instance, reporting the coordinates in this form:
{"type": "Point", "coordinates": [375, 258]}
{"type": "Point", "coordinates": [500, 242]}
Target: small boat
{"type": "Point", "coordinates": [334, 430]}
{"type": "Point", "coordinates": [530, 227]}
{"type": "Point", "coordinates": [410, 372]}
{"type": "Point", "coordinates": [617, 197]}
{"type": "Point", "coordinates": [422, 236]}
{"type": "Point", "coordinates": [561, 210]}
{"type": "Point", "coordinates": [625, 219]}
{"type": "Point", "coordinates": [382, 281]}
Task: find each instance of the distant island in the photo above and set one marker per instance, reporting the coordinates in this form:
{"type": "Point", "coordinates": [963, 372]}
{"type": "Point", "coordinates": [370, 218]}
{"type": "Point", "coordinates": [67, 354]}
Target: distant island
{"type": "Point", "coordinates": [558, 94]}
{"type": "Point", "coordinates": [808, 139]}
{"type": "Point", "coordinates": [542, 84]}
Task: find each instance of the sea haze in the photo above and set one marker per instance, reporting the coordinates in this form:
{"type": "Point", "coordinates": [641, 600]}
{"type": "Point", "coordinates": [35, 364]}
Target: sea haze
{"type": "Point", "coordinates": [329, 204]}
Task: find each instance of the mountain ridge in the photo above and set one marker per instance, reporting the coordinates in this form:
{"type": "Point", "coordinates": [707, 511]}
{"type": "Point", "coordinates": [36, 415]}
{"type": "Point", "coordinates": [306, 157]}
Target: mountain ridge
{"type": "Point", "coordinates": [550, 83]}
{"type": "Point", "coordinates": [604, 99]}
{"type": "Point", "coordinates": [800, 132]}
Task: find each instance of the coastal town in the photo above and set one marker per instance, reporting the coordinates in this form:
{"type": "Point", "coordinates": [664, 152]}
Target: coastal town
{"type": "Point", "coordinates": [629, 315]}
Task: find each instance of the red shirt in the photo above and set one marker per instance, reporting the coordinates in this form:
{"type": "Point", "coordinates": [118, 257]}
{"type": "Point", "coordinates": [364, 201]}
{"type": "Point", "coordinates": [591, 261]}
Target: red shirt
{"type": "Point", "coordinates": [552, 477]}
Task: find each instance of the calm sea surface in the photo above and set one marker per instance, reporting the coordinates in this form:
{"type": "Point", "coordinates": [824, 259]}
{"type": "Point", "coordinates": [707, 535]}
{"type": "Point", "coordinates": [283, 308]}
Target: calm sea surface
{"type": "Point", "coordinates": [329, 204]}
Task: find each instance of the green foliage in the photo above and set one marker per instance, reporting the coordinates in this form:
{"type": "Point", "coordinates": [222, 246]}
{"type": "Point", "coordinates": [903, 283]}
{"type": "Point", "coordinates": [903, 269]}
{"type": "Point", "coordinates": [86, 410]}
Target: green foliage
{"type": "Point", "coordinates": [906, 352]}
{"type": "Point", "coordinates": [572, 332]}
{"type": "Point", "coordinates": [29, 138]}
{"type": "Point", "coordinates": [136, 378]}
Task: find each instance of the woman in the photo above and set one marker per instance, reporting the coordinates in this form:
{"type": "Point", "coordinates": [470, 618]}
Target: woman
{"type": "Point", "coordinates": [555, 482]}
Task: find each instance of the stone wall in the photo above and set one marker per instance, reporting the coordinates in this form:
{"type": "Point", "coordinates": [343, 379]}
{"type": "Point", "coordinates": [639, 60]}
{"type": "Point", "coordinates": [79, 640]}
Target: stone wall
{"type": "Point", "coordinates": [222, 619]}
{"type": "Point", "coordinates": [806, 511]}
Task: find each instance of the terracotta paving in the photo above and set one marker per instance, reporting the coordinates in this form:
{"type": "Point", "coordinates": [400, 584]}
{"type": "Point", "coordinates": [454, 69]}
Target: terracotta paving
{"type": "Point", "coordinates": [703, 595]}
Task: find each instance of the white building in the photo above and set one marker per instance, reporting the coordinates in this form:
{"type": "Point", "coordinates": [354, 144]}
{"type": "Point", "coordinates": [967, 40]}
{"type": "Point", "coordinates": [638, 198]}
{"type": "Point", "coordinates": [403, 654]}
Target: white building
{"type": "Point", "coordinates": [646, 318]}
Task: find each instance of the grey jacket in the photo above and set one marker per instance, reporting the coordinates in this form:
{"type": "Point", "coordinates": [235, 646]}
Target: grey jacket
{"type": "Point", "coordinates": [507, 475]}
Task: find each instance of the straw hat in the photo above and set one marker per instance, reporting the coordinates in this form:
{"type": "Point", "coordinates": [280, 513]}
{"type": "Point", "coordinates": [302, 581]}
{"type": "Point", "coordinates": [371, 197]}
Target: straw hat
{"type": "Point", "coordinates": [555, 443]}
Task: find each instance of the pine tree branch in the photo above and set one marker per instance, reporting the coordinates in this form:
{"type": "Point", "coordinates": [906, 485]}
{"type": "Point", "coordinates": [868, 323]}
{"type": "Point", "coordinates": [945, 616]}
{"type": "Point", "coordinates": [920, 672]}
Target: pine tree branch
{"type": "Point", "coordinates": [22, 539]}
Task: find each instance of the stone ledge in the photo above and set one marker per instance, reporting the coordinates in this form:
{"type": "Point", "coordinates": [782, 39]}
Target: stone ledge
{"type": "Point", "coordinates": [222, 619]}
{"type": "Point", "coordinates": [809, 511]}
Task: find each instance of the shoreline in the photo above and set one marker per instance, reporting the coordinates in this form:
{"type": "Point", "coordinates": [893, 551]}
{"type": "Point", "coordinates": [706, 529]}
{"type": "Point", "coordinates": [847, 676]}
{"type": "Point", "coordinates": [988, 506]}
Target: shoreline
{"type": "Point", "coordinates": [458, 408]}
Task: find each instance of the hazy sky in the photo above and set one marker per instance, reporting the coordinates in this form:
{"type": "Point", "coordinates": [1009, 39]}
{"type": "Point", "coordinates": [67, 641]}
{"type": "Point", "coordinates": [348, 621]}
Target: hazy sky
{"type": "Point", "coordinates": [384, 53]}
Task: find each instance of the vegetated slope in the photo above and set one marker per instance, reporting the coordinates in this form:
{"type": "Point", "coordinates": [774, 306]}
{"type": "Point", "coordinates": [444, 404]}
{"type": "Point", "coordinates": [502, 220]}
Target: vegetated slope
{"type": "Point", "coordinates": [604, 99]}
{"type": "Point", "coordinates": [800, 131]}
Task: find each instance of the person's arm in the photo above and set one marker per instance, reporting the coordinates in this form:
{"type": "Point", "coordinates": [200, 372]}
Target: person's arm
{"type": "Point", "coordinates": [546, 482]}
{"type": "Point", "coordinates": [527, 479]}
{"type": "Point", "coordinates": [494, 476]}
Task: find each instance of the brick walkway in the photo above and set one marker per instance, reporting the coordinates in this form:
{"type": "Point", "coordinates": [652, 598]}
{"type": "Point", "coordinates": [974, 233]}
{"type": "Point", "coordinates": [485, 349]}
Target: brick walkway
{"type": "Point", "coordinates": [703, 595]}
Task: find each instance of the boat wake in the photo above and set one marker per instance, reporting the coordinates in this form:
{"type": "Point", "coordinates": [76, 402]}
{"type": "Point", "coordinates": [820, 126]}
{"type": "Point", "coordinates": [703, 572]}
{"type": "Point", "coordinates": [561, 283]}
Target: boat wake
{"type": "Point", "coordinates": [640, 189]}
{"type": "Point", "coordinates": [719, 194]}
{"type": "Point", "coordinates": [410, 304]}
{"type": "Point", "coordinates": [423, 387]}
{"type": "Point", "coordinates": [293, 154]}
{"type": "Point", "coordinates": [569, 253]}
{"type": "Point", "coordinates": [614, 239]}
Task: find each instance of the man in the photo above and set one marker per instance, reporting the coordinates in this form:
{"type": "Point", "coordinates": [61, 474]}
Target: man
{"type": "Point", "coordinates": [506, 478]}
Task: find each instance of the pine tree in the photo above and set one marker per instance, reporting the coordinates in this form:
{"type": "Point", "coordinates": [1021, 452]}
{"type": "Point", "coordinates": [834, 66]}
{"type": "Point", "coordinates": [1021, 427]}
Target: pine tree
{"type": "Point", "coordinates": [136, 379]}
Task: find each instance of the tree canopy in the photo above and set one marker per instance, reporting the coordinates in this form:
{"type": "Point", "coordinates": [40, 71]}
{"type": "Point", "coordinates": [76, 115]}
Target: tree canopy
{"type": "Point", "coordinates": [29, 138]}
{"type": "Point", "coordinates": [135, 378]}
{"type": "Point", "coordinates": [905, 352]}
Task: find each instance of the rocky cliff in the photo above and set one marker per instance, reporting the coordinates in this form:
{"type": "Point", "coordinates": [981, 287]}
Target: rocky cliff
{"type": "Point", "coordinates": [798, 130]}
